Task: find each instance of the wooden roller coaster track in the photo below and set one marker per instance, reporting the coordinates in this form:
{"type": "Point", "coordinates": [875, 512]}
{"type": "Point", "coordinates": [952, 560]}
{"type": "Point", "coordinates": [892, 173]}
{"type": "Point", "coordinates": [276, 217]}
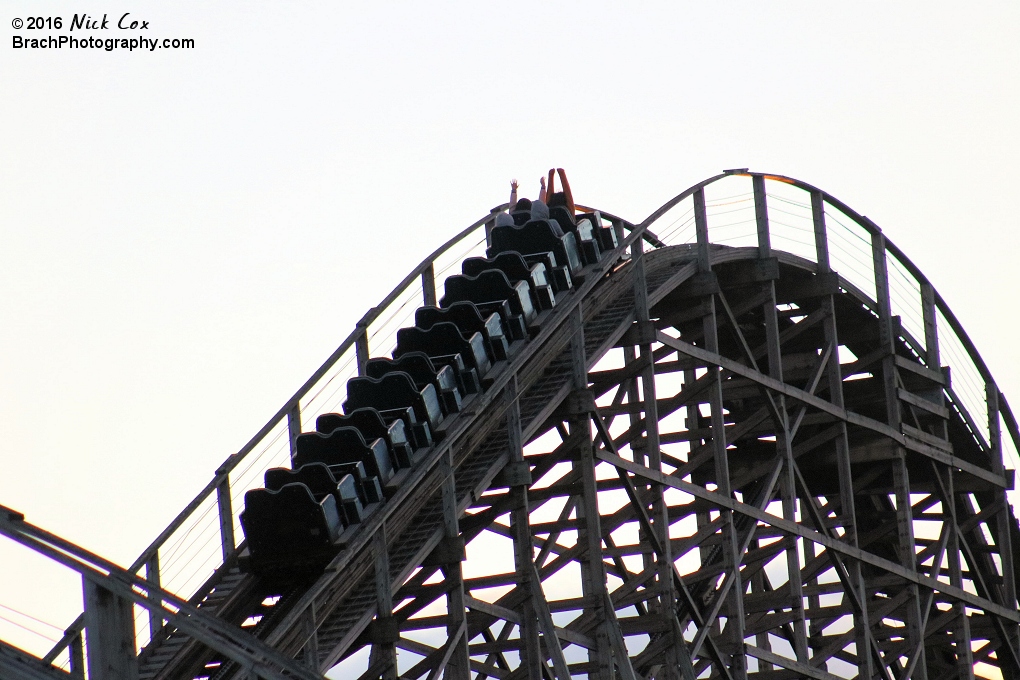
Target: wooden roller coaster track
{"type": "Point", "coordinates": [732, 451]}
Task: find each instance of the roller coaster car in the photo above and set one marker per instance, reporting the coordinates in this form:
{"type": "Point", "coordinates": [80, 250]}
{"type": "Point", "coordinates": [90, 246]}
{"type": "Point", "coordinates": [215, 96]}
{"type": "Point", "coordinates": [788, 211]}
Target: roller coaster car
{"type": "Point", "coordinates": [288, 528]}
{"type": "Point", "coordinates": [606, 236]}
{"type": "Point", "coordinates": [490, 286]}
{"type": "Point", "coordinates": [467, 317]}
{"type": "Point", "coordinates": [340, 470]}
{"type": "Point", "coordinates": [370, 423]}
{"type": "Point", "coordinates": [516, 269]}
{"type": "Point", "coordinates": [344, 445]}
{"type": "Point", "coordinates": [422, 372]}
{"type": "Point", "coordinates": [321, 482]}
{"type": "Point", "coordinates": [521, 217]}
{"type": "Point", "coordinates": [394, 391]}
{"type": "Point", "coordinates": [593, 238]}
{"type": "Point", "coordinates": [539, 236]}
{"type": "Point", "coordinates": [445, 338]}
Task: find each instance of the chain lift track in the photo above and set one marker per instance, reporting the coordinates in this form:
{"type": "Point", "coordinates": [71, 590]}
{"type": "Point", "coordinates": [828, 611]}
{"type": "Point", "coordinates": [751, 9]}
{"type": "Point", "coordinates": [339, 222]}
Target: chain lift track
{"type": "Point", "coordinates": [712, 457]}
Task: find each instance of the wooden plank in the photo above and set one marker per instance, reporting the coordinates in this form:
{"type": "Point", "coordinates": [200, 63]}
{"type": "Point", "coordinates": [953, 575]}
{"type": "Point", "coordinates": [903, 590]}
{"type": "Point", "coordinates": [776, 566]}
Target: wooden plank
{"type": "Point", "coordinates": [923, 436]}
{"type": "Point", "coordinates": [938, 377]}
{"type": "Point", "coordinates": [922, 403]}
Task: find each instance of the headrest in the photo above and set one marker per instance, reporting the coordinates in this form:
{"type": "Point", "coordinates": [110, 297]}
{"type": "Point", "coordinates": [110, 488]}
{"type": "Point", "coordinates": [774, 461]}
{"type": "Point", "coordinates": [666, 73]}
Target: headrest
{"type": "Point", "coordinates": [539, 211]}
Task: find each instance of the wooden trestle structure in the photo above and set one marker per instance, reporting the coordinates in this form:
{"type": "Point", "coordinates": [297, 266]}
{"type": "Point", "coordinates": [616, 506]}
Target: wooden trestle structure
{"type": "Point", "coordinates": [712, 460]}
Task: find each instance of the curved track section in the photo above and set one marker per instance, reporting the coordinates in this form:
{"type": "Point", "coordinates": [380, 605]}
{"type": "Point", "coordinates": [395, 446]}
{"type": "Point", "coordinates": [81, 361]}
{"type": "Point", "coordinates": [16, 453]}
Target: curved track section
{"type": "Point", "coordinates": [731, 450]}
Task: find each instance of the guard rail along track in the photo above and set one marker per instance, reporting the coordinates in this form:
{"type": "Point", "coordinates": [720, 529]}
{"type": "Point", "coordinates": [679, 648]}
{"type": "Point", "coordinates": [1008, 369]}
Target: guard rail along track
{"type": "Point", "coordinates": [724, 443]}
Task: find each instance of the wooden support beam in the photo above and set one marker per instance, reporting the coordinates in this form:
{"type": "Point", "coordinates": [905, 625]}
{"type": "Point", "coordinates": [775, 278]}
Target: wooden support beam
{"type": "Point", "coordinates": [593, 573]}
{"type": "Point", "coordinates": [110, 633]}
{"type": "Point", "coordinates": [531, 655]}
{"type": "Point", "coordinates": [809, 534]}
{"type": "Point", "coordinates": [384, 651]}
{"type": "Point", "coordinates": [850, 417]}
{"type": "Point", "coordinates": [456, 661]}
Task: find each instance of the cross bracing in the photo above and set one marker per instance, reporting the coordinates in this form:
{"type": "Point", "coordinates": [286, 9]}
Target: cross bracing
{"type": "Point", "coordinates": [731, 450]}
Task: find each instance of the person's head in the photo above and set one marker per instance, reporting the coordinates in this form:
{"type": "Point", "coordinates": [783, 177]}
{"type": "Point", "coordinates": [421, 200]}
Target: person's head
{"type": "Point", "coordinates": [504, 220]}
{"type": "Point", "coordinates": [523, 205]}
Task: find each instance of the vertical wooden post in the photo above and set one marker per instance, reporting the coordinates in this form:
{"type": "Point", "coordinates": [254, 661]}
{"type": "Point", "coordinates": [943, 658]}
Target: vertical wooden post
{"type": "Point", "coordinates": [593, 574]}
{"type": "Point", "coordinates": [961, 624]}
{"type": "Point", "coordinates": [1002, 518]}
{"type": "Point", "coordinates": [520, 529]}
{"type": "Point", "coordinates": [110, 632]}
{"type": "Point", "coordinates": [428, 282]}
{"type": "Point", "coordinates": [226, 513]}
{"type": "Point", "coordinates": [701, 229]}
{"type": "Point", "coordinates": [735, 618]}
{"type": "Point", "coordinates": [784, 447]}
{"type": "Point", "coordinates": [361, 347]}
{"type": "Point", "coordinates": [931, 348]}
{"type": "Point", "coordinates": [666, 604]}
{"type": "Point", "coordinates": [788, 481]}
{"type": "Point", "coordinates": [761, 216]}
{"type": "Point", "coordinates": [865, 660]}
{"type": "Point", "coordinates": [152, 576]}
{"type": "Point", "coordinates": [311, 648]}
{"type": "Point", "coordinates": [931, 332]}
{"type": "Point", "coordinates": [908, 558]}
{"type": "Point", "coordinates": [459, 665]}
{"type": "Point", "coordinates": [384, 650]}
{"type": "Point", "coordinates": [821, 236]}
{"type": "Point", "coordinates": [901, 478]}
{"type": "Point", "coordinates": [294, 427]}
{"type": "Point", "coordinates": [886, 333]}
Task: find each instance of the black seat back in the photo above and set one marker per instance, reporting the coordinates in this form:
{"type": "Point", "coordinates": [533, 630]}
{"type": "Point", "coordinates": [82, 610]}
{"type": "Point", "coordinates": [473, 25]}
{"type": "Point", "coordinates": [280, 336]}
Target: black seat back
{"type": "Point", "coordinates": [393, 390]}
{"type": "Point", "coordinates": [288, 520]}
{"type": "Point", "coordinates": [344, 445]}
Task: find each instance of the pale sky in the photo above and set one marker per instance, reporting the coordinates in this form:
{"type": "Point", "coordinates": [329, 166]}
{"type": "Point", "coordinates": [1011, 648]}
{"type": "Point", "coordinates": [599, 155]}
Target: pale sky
{"type": "Point", "coordinates": [188, 234]}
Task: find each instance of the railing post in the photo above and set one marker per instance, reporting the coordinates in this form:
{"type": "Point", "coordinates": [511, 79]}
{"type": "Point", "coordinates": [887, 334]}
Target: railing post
{"type": "Point", "coordinates": [226, 514]}
{"type": "Point", "coordinates": [821, 237]}
{"type": "Point", "coordinates": [152, 576]}
{"type": "Point", "coordinates": [428, 281]}
{"type": "Point", "coordinates": [701, 229]}
{"type": "Point", "coordinates": [361, 347]}
{"type": "Point", "coordinates": [761, 216]}
{"type": "Point", "coordinates": [294, 427]}
{"type": "Point", "coordinates": [886, 332]}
